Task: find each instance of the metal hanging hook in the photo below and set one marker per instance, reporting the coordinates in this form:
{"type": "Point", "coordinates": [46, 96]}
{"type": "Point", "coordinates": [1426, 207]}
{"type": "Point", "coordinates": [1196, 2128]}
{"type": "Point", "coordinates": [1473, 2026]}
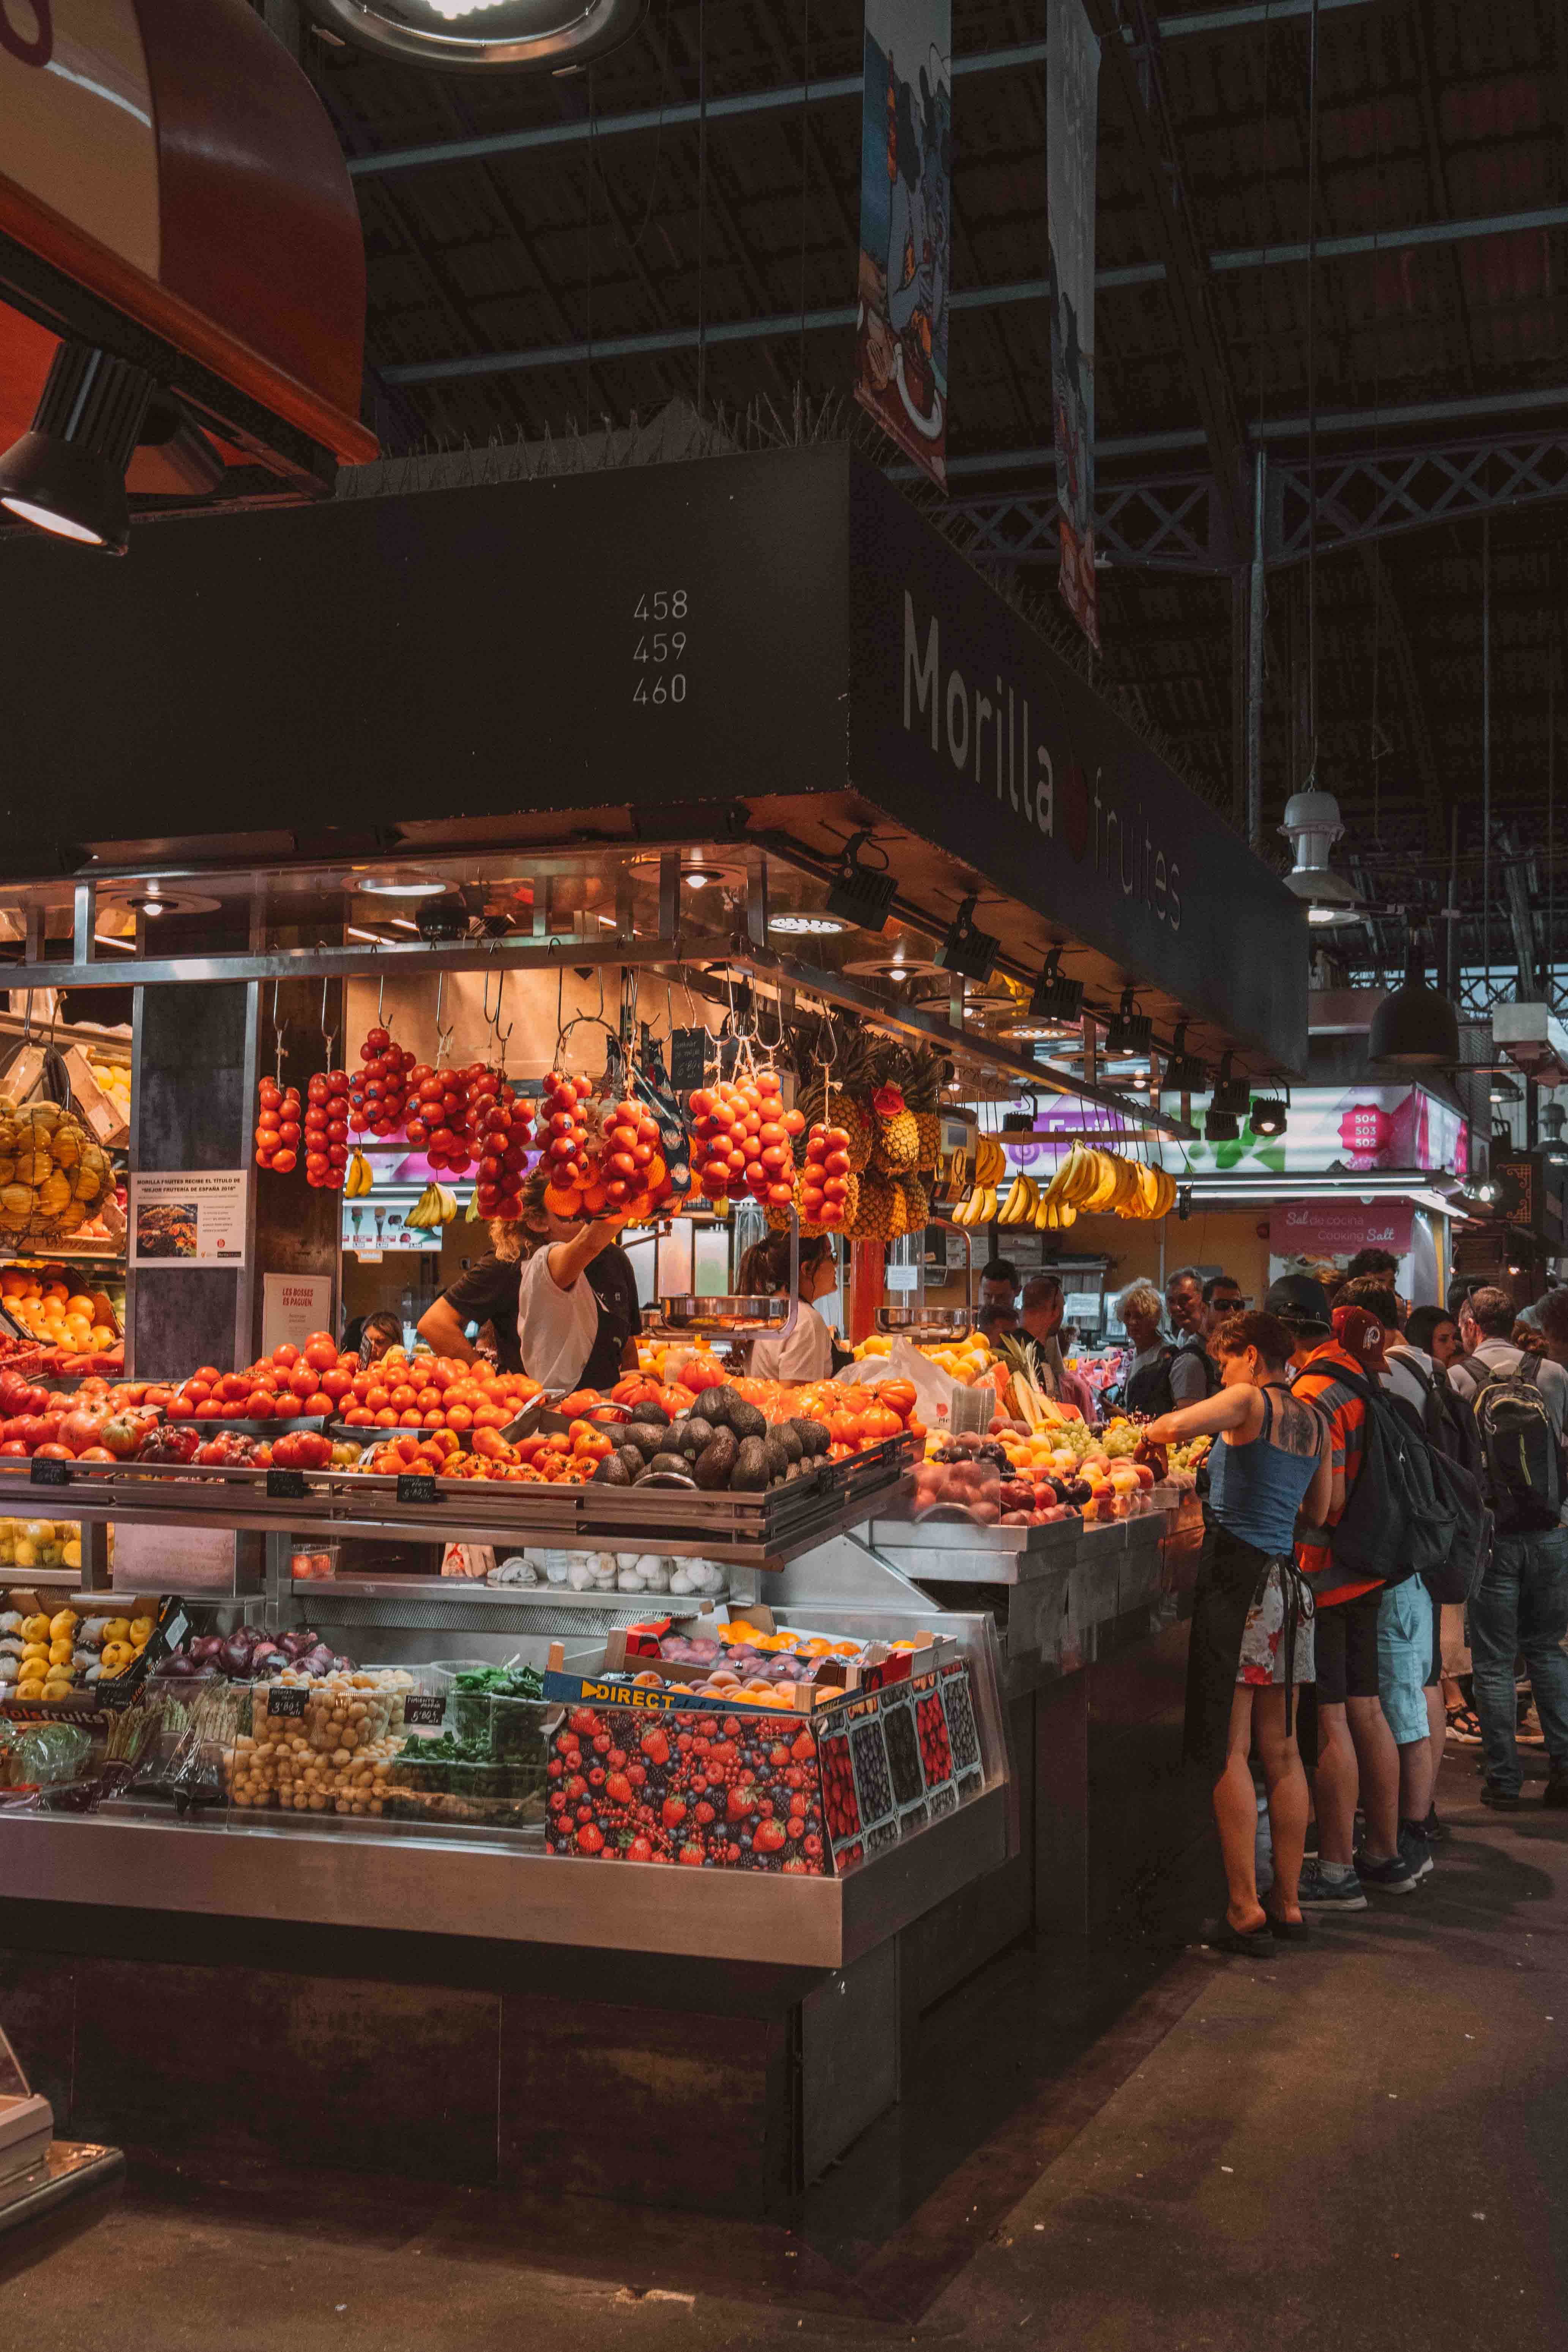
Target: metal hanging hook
{"type": "Point", "coordinates": [329, 1036]}
{"type": "Point", "coordinates": [279, 1027]}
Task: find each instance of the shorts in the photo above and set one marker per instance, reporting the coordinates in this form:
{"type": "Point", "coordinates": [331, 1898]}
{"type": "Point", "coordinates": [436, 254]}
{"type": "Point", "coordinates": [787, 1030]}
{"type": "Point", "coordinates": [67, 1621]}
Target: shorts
{"type": "Point", "coordinates": [1346, 1647]}
{"type": "Point", "coordinates": [1403, 1653]}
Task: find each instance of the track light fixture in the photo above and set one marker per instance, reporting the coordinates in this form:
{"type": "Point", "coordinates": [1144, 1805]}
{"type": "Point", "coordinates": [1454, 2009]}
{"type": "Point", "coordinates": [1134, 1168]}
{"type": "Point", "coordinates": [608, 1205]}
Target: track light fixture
{"type": "Point", "coordinates": [1184, 1072]}
{"type": "Point", "coordinates": [1221, 1127]}
{"type": "Point", "coordinates": [1056, 998]}
{"type": "Point", "coordinates": [66, 473]}
{"type": "Point", "coordinates": [1268, 1116]}
{"type": "Point", "coordinates": [969, 953]}
{"type": "Point", "coordinates": [1232, 1096]}
{"type": "Point", "coordinates": [859, 895]}
{"type": "Point", "coordinates": [1128, 1031]}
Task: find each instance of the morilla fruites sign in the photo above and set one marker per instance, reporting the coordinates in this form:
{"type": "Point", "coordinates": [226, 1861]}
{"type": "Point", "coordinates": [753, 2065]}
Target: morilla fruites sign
{"type": "Point", "coordinates": [967, 724]}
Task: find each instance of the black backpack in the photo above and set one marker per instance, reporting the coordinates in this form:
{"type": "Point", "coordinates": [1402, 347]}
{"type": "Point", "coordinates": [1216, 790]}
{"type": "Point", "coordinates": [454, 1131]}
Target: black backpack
{"type": "Point", "coordinates": [1521, 1455]}
{"type": "Point", "coordinates": [1149, 1390]}
{"type": "Point", "coordinates": [1400, 1519]}
{"type": "Point", "coordinates": [1447, 1418]}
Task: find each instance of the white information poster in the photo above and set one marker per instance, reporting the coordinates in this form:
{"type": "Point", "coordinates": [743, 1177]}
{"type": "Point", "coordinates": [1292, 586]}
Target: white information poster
{"type": "Point", "coordinates": [292, 1306]}
{"type": "Point", "coordinates": [188, 1217]}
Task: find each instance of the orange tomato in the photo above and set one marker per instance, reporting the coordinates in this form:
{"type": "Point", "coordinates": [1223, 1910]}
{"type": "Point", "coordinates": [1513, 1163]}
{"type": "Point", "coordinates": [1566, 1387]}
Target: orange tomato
{"type": "Point", "coordinates": [385, 1418]}
{"type": "Point", "coordinates": [845, 1429]}
{"type": "Point", "coordinates": [377, 1397]}
{"type": "Point", "coordinates": [899, 1394]}
{"type": "Point", "coordinates": [401, 1396]}
{"type": "Point", "coordinates": [459, 1416]}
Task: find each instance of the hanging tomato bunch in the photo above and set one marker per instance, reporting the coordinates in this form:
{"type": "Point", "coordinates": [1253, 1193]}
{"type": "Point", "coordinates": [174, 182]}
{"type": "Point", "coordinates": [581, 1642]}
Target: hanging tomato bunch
{"type": "Point", "coordinates": [741, 1139]}
{"type": "Point", "coordinates": [326, 1129]}
{"type": "Point", "coordinates": [378, 1089]}
{"type": "Point", "coordinates": [503, 1123]}
{"type": "Point", "coordinates": [439, 1119]}
{"type": "Point", "coordinates": [278, 1128]}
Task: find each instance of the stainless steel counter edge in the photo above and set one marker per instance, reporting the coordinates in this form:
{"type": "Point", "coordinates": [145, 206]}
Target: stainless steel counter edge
{"type": "Point", "coordinates": [426, 1886]}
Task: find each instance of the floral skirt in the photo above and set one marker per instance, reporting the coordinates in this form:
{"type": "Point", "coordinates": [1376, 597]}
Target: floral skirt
{"type": "Point", "coordinates": [1252, 1624]}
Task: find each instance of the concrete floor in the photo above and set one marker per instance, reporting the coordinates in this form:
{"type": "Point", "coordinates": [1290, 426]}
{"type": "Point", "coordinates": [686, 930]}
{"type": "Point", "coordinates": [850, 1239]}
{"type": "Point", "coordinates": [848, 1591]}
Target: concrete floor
{"type": "Point", "coordinates": [1359, 2143]}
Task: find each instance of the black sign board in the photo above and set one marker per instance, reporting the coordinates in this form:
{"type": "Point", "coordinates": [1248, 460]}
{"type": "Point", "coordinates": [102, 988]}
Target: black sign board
{"type": "Point", "coordinates": [289, 1702]}
{"type": "Point", "coordinates": [286, 1487]}
{"type": "Point", "coordinates": [424, 1706]}
{"type": "Point", "coordinates": [46, 1471]}
{"type": "Point", "coordinates": [689, 1050]}
{"type": "Point", "coordinates": [417, 1486]}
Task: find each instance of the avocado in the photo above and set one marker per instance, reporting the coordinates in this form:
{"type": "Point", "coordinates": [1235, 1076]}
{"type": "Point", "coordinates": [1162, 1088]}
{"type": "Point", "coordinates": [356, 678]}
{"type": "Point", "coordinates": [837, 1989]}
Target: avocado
{"type": "Point", "coordinates": [692, 1434]}
{"type": "Point", "coordinates": [631, 1460]}
{"type": "Point", "coordinates": [714, 1404]}
{"type": "Point", "coordinates": [613, 1471]}
{"type": "Point", "coordinates": [667, 1461]}
{"type": "Point", "coordinates": [750, 1474]}
{"type": "Point", "coordinates": [777, 1459]}
{"type": "Point", "coordinates": [788, 1436]}
{"type": "Point", "coordinates": [716, 1461]}
{"type": "Point", "coordinates": [747, 1420]}
{"type": "Point", "coordinates": [814, 1437]}
{"type": "Point", "coordinates": [648, 1437]}
{"type": "Point", "coordinates": [652, 1477]}
{"type": "Point", "coordinates": [651, 1410]}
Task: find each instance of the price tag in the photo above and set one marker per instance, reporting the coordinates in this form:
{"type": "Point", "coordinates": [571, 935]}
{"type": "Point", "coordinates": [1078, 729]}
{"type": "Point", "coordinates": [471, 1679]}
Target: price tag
{"type": "Point", "coordinates": [902, 1278]}
{"type": "Point", "coordinates": [689, 1050]}
{"type": "Point", "coordinates": [417, 1486]}
{"type": "Point", "coordinates": [116, 1694]}
{"type": "Point", "coordinates": [286, 1487]}
{"type": "Point", "coordinates": [422, 1707]}
{"type": "Point", "coordinates": [48, 1472]}
{"type": "Point", "coordinates": [283, 1703]}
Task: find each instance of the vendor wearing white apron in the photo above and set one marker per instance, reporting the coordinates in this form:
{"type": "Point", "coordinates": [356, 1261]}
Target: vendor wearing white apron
{"type": "Point", "coordinates": [577, 1313]}
{"type": "Point", "coordinates": [807, 1353]}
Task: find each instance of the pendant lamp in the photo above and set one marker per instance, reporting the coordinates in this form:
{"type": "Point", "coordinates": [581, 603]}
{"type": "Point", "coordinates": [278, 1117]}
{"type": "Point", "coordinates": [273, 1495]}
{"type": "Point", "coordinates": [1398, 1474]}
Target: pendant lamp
{"type": "Point", "coordinates": [1415, 1027]}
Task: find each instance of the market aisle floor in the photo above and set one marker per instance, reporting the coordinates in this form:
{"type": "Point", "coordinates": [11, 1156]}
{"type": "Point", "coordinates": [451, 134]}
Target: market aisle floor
{"type": "Point", "coordinates": [1363, 2143]}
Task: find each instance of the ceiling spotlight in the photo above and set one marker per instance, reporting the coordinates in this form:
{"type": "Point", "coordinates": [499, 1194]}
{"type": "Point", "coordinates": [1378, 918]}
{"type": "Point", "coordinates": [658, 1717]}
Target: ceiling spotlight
{"type": "Point", "coordinates": [701, 877]}
{"type": "Point", "coordinates": [67, 474]}
{"type": "Point", "coordinates": [1029, 1031]}
{"type": "Point", "coordinates": [860, 894]}
{"type": "Point", "coordinates": [969, 953]}
{"type": "Point", "coordinates": [1415, 1027]}
{"type": "Point", "coordinates": [1221, 1127]}
{"type": "Point", "coordinates": [1056, 998]}
{"type": "Point", "coordinates": [1268, 1115]}
{"type": "Point", "coordinates": [1184, 1072]}
{"type": "Point", "coordinates": [1486, 1190]}
{"type": "Point", "coordinates": [493, 36]}
{"type": "Point", "coordinates": [1128, 1032]}
{"type": "Point", "coordinates": [1232, 1096]}
{"type": "Point", "coordinates": [797, 925]}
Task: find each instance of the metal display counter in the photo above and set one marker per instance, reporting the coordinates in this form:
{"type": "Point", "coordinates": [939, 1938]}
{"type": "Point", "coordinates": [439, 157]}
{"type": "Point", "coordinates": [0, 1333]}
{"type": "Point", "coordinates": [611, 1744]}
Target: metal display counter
{"type": "Point", "coordinates": [759, 2020]}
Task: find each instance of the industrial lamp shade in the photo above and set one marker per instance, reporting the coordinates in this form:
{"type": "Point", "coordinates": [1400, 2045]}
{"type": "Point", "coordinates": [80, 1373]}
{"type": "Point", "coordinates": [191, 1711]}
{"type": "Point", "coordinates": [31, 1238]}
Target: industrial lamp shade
{"type": "Point", "coordinates": [68, 474]}
{"type": "Point", "coordinates": [1415, 1027]}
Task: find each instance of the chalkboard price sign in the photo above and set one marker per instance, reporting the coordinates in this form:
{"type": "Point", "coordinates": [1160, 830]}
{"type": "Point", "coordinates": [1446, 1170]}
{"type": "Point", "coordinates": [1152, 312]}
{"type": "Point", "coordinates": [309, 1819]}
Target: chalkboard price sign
{"type": "Point", "coordinates": [47, 1472]}
{"type": "Point", "coordinates": [283, 1703]}
{"type": "Point", "coordinates": [425, 1706]}
{"type": "Point", "coordinates": [688, 1059]}
{"type": "Point", "coordinates": [286, 1487]}
{"type": "Point", "coordinates": [417, 1486]}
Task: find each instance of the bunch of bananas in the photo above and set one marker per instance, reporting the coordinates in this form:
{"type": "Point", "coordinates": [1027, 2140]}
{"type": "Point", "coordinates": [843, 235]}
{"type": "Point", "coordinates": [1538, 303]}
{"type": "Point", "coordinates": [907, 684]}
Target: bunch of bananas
{"type": "Point", "coordinates": [359, 1178]}
{"type": "Point", "coordinates": [1094, 1184]}
{"type": "Point", "coordinates": [435, 1206]}
{"type": "Point", "coordinates": [978, 1206]}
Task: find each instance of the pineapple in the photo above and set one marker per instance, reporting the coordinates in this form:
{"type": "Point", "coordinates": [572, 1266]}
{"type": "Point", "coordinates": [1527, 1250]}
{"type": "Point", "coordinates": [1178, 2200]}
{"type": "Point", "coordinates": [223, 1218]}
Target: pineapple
{"type": "Point", "coordinates": [917, 1203]}
{"type": "Point", "coordinates": [875, 1208]}
{"type": "Point", "coordinates": [850, 1113]}
{"type": "Point", "coordinates": [897, 1145]}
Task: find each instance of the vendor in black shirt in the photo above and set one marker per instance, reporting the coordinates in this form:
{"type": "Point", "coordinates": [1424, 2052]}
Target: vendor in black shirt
{"type": "Point", "coordinates": [490, 1291]}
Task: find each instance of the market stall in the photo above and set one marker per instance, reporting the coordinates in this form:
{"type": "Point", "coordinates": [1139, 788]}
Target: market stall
{"type": "Point", "coordinates": [354, 1700]}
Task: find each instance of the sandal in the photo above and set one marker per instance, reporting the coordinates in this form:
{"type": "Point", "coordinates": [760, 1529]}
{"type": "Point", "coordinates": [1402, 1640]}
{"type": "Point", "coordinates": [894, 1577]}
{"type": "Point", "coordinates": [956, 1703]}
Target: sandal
{"type": "Point", "coordinates": [1252, 1943]}
{"type": "Point", "coordinates": [1286, 1931]}
{"type": "Point", "coordinates": [1464, 1727]}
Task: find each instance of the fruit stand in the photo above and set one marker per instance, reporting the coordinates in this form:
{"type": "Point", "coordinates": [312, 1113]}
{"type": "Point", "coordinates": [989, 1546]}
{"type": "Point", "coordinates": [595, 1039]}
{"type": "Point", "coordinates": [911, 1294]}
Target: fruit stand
{"type": "Point", "coordinates": [899, 1683]}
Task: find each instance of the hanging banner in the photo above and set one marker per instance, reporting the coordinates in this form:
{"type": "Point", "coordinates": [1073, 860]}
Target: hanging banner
{"type": "Point", "coordinates": [906, 225]}
{"type": "Point", "coordinates": [1072, 92]}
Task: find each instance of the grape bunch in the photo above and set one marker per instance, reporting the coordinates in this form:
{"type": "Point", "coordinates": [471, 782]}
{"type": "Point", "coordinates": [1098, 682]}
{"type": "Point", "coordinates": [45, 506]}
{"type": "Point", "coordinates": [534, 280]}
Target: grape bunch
{"type": "Point", "coordinates": [277, 1129]}
{"type": "Point", "coordinates": [378, 1089]}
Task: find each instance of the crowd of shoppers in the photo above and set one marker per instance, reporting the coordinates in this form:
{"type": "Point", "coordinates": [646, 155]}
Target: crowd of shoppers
{"type": "Point", "coordinates": [1329, 1656]}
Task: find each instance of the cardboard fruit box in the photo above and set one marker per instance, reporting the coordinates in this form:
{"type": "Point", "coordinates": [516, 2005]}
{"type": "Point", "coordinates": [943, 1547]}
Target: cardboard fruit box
{"type": "Point", "coordinates": [667, 1773]}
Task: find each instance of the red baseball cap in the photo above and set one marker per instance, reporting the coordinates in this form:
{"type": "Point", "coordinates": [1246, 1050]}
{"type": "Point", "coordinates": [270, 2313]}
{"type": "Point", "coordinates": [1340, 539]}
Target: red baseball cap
{"type": "Point", "coordinates": [1362, 1335]}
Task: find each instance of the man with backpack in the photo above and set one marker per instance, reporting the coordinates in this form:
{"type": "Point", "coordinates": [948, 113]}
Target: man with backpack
{"type": "Point", "coordinates": [1521, 1403]}
{"type": "Point", "coordinates": [1355, 1747]}
{"type": "Point", "coordinates": [1193, 1373]}
{"type": "Point", "coordinates": [1446, 1417]}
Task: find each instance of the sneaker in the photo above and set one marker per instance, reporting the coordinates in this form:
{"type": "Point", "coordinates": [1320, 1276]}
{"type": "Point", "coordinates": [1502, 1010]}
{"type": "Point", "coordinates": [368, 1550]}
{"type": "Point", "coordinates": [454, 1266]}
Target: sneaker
{"type": "Point", "coordinates": [1528, 1733]}
{"type": "Point", "coordinates": [1501, 1801]}
{"type": "Point", "coordinates": [1464, 1727]}
{"type": "Point", "coordinates": [1393, 1876]}
{"type": "Point", "coordinates": [1413, 1848]}
{"type": "Point", "coordinates": [1434, 1830]}
{"type": "Point", "coordinates": [1320, 1892]}
{"type": "Point", "coordinates": [1555, 1792]}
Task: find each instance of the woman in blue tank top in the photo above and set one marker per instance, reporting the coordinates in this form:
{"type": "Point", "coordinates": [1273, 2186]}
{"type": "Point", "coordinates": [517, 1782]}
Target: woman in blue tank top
{"type": "Point", "coordinates": [1252, 1613]}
